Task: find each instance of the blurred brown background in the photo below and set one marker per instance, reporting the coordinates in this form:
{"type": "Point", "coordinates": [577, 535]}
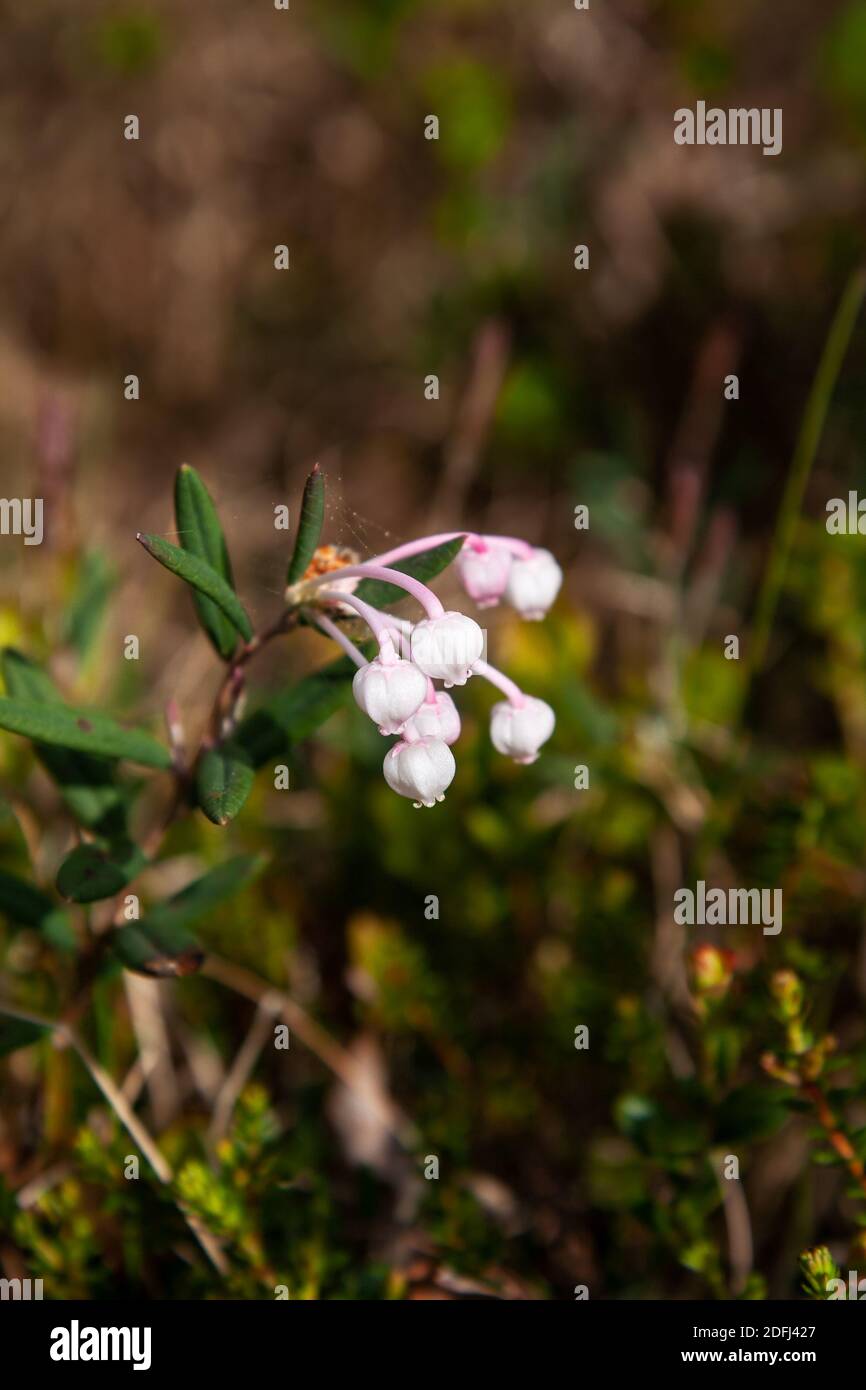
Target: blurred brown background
{"type": "Point", "coordinates": [305, 127]}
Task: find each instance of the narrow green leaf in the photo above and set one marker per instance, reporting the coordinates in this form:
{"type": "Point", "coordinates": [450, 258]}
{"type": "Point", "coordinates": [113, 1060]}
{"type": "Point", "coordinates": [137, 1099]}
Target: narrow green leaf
{"type": "Point", "coordinates": [27, 906]}
{"type": "Point", "coordinates": [224, 779]}
{"type": "Point", "coordinates": [294, 714]}
{"type": "Point", "coordinates": [151, 949]}
{"type": "Point", "coordinates": [424, 567]}
{"type": "Point", "coordinates": [200, 534]}
{"type": "Point", "coordinates": [201, 576]}
{"type": "Point", "coordinates": [24, 680]}
{"type": "Point", "coordinates": [83, 731]}
{"type": "Point", "coordinates": [88, 787]}
{"type": "Point", "coordinates": [12, 835]}
{"type": "Point", "coordinates": [91, 872]}
{"type": "Point", "coordinates": [17, 1032]}
{"type": "Point", "coordinates": [86, 784]}
{"type": "Point", "coordinates": [160, 943]}
{"type": "Point", "coordinates": [198, 898]}
{"type": "Point", "coordinates": [22, 902]}
{"type": "Point", "coordinates": [309, 526]}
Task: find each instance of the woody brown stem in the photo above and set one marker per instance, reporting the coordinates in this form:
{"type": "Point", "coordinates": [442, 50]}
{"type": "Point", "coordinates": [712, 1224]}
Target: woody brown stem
{"type": "Point", "coordinates": [836, 1137]}
{"type": "Point", "coordinates": [233, 680]}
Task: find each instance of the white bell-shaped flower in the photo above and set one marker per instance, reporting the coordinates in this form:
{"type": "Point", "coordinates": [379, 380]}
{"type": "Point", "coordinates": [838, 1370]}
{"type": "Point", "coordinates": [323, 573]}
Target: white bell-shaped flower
{"type": "Point", "coordinates": [390, 692]}
{"type": "Point", "coordinates": [422, 771]}
{"type": "Point", "coordinates": [437, 718]}
{"type": "Point", "coordinates": [447, 647]}
{"type": "Point", "coordinates": [484, 572]}
{"type": "Point", "coordinates": [533, 584]}
{"type": "Point", "coordinates": [518, 731]}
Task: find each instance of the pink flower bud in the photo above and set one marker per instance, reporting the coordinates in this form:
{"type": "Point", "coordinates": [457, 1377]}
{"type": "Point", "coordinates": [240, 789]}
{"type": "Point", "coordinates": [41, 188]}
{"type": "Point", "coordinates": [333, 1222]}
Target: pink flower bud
{"type": "Point", "coordinates": [518, 731]}
{"type": "Point", "coordinates": [389, 692]}
{"type": "Point", "coordinates": [533, 584]}
{"type": "Point", "coordinates": [484, 573]}
{"type": "Point", "coordinates": [437, 718]}
{"type": "Point", "coordinates": [447, 647]}
{"type": "Point", "coordinates": [421, 771]}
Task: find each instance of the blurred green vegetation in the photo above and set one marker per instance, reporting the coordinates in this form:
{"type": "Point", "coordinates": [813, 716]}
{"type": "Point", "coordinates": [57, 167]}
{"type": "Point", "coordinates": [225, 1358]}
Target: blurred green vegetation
{"type": "Point", "coordinates": [559, 1166]}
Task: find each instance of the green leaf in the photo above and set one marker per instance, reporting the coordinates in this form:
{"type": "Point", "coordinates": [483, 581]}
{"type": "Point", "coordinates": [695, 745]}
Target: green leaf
{"type": "Point", "coordinates": [224, 779]}
{"type": "Point", "coordinates": [424, 567]}
{"type": "Point", "coordinates": [88, 788]}
{"type": "Point", "coordinates": [201, 534]}
{"type": "Point", "coordinates": [160, 943]}
{"type": "Point", "coordinates": [201, 576]}
{"type": "Point", "coordinates": [82, 731]}
{"type": "Point", "coordinates": [18, 1032]}
{"type": "Point", "coordinates": [207, 892]}
{"type": "Point", "coordinates": [309, 526]}
{"type": "Point", "coordinates": [28, 906]}
{"type": "Point", "coordinates": [86, 784]}
{"type": "Point", "coordinates": [150, 948]}
{"type": "Point", "coordinates": [91, 872]}
{"type": "Point", "coordinates": [294, 714]}
{"type": "Point", "coordinates": [24, 680]}
{"type": "Point", "coordinates": [12, 835]}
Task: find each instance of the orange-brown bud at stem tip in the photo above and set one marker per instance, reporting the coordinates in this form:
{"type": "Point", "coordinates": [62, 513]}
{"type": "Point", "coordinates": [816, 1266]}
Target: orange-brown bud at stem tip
{"type": "Point", "coordinates": [773, 1067]}
{"type": "Point", "coordinates": [712, 970]}
{"type": "Point", "coordinates": [327, 559]}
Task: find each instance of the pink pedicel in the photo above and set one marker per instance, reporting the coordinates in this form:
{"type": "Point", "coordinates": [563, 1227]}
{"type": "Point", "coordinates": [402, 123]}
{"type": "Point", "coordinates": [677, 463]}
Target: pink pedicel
{"type": "Point", "coordinates": [426, 597]}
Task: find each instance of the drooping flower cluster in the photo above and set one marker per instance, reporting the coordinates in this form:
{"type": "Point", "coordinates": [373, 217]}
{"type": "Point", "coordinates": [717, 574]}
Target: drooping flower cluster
{"type": "Point", "coordinates": [492, 568]}
{"type": "Point", "coordinates": [396, 689]}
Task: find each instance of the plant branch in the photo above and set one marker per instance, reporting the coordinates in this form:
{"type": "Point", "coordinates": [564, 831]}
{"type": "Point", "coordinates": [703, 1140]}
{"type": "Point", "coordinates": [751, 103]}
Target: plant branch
{"type": "Point", "coordinates": [835, 1135]}
{"type": "Point", "coordinates": [232, 682]}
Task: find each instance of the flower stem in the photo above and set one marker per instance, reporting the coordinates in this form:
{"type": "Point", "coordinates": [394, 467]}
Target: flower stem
{"type": "Point", "coordinates": [836, 1137]}
{"type": "Point", "coordinates": [426, 597]}
{"type": "Point", "coordinates": [515, 695]}
{"type": "Point", "coordinates": [379, 623]}
{"type": "Point", "coordinates": [402, 552]}
{"type": "Point", "coordinates": [232, 683]}
{"type": "Point", "coordinates": [339, 637]}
